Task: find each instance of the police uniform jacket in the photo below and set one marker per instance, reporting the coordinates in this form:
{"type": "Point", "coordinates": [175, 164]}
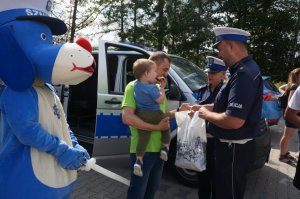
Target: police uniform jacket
{"type": "Point", "coordinates": [241, 97]}
{"type": "Point", "coordinates": [206, 96]}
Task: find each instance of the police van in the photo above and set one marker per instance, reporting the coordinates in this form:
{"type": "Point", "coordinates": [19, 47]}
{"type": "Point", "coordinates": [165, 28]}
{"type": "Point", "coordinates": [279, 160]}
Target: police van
{"type": "Point", "coordinates": [93, 107]}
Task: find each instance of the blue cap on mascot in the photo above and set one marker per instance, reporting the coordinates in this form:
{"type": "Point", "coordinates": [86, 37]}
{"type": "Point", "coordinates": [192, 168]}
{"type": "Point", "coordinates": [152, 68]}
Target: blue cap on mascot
{"type": "Point", "coordinates": [37, 10]}
{"type": "Point", "coordinates": [15, 75]}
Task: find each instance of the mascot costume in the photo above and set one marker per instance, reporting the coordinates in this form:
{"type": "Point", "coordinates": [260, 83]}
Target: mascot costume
{"type": "Point", "coordinates": [39, 155]}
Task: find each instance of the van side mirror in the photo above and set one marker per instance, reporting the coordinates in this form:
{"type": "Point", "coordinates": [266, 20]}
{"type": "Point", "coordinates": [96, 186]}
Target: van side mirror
{"type": "Point", "coordinates": [174, 93]}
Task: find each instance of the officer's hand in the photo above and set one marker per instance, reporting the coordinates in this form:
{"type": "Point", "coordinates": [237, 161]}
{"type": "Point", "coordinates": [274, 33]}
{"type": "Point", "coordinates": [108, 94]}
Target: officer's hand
{"type": "Point", "coordinates": [203, 112]}
{"type": "Point", "coordinates": [185, 107]}
{"type": "Point", "coordinates": [72, 158]}
{"type": "Point", "coordinates": [195, 107]}
{"type": "Point", "coordinates": [164, 124]}
{"type": "Point", "coordinates": [191, 113]}
{"type": "Point", "coordinates": [209, 106]}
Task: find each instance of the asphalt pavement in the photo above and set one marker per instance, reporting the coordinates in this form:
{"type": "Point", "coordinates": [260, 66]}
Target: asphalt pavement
{"type": "Point", "coordinates": [273, 181]}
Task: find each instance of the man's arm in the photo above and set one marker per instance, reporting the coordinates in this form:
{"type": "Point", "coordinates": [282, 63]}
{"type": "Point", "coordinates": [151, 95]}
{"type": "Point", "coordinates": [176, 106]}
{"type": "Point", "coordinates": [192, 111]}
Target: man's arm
{"type": "Point", "coordinates": [210, 107]}
{"type": "Point", "coordinates": [183, 107]}
{"type": "Point", "coordinates": [161, 97]}
{"type": "Point", "coordinates": [129, 118]}
{"type": "Point", "coordinates": [221, 119]}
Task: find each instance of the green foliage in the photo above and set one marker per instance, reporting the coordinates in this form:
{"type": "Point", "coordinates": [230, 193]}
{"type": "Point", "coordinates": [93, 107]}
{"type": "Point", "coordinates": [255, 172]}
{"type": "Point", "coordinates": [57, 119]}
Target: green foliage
{"type": "Point", "coordinates": [278, 84]}
{"type": "Point", "coordinates": [185, 27]}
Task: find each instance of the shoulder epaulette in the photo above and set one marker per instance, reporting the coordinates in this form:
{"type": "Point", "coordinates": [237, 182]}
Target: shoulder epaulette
{"type": "Point", "coordinates": [203, 86]}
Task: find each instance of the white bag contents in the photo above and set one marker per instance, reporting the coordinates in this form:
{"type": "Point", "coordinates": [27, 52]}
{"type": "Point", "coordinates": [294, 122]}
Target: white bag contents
{"type": "Point", "coordinates": [191, 141]}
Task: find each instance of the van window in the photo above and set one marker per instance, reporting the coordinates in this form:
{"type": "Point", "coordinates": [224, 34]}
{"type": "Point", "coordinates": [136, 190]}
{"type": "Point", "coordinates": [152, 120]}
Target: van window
{"type": "Point", "coordinates": [119, 67]}
{"type": "Point", "coordinates": [190, 73]}
{"type": "Point", "coordinates": [112, 67]}
{"type": "Point", "coordinates": [128, 63]}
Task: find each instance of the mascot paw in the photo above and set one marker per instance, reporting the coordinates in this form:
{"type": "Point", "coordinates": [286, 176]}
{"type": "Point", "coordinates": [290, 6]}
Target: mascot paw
{"type": "Point", "coordinates": [72, 159]}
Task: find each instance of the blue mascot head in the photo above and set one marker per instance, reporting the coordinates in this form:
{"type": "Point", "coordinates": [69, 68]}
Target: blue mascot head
{"type": "Point", "coordinates": [27, 52]}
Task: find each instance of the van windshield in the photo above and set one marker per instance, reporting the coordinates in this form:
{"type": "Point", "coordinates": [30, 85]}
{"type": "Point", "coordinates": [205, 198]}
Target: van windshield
{"type": "Point", "coordinates": [189, 72]}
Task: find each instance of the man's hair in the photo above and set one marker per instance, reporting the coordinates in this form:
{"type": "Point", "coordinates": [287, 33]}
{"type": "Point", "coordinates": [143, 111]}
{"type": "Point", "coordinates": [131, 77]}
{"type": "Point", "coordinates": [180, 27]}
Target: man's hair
{"type": "Point", "coordinates": [159, 57]}
{"type": "Point", "coordinates": [141, 66]}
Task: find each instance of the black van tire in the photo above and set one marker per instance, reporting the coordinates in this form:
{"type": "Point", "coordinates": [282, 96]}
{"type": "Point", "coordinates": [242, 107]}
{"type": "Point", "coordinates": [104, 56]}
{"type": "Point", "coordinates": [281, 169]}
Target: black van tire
{"type": "Point", "coordinates": [184, 176]}
{"type": "Point", "coordinates": [263, 145]}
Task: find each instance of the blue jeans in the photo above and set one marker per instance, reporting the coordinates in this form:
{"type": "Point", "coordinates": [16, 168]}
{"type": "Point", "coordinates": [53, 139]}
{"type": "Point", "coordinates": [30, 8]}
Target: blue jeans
{"type": "Point", "coordinates": [145, 187]}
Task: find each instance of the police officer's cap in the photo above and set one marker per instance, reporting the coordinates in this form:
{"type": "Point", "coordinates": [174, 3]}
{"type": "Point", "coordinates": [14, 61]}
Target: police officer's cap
{"type": "Point", "coordinates": [36, 10]}
{"type": "Point", "coordinates": [214, 65]}
{"type": "Point", "coordinates": [227, 33]}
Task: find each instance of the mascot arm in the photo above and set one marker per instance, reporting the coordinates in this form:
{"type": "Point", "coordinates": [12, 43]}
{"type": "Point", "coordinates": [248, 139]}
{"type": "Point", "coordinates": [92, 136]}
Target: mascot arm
{"type": "Point", "coordinates": [73, 138]}
{"type": "Point", "coordinates": [22, 115]}
{"type": "Point", "coordinates": [77, 145]}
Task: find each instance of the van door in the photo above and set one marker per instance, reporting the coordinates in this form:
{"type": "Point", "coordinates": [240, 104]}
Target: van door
{"type": "Point", "coordinates": [115, 62]}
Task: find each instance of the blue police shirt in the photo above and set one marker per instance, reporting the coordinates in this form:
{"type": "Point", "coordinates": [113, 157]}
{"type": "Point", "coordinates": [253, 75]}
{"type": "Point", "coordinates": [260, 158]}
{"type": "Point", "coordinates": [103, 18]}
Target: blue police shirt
{"type": "Point", "coordinates": [241, 97]}
{"type": "Point", "coordinates": [206, 96]}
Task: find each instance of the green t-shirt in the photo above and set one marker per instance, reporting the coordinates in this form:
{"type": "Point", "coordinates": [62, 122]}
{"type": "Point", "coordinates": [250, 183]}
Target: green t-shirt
{"type": "Point", "coordinates": [155, 141]}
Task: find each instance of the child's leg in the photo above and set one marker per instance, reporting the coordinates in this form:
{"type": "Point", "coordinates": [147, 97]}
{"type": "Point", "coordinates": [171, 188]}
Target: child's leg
{"type": "Point", "coordinates": [142, 143]}
{"type": "Point", "coordinates": [143, 139]}
{"type": "Point", "coordinates": [154, 117]}
{"type": "Point", "coordinates": [143, 135]}
{"type": "Point", "coordinates": [166, 141]}
{"type": "Point", "coordinates": [166, 137]}
{"type": "Point", "coordinates": [140, 151]}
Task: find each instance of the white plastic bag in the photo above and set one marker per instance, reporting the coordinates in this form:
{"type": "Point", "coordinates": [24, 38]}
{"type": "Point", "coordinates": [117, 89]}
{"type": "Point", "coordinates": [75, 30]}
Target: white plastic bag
{"type": "Point", "coordinates": [191, 141]}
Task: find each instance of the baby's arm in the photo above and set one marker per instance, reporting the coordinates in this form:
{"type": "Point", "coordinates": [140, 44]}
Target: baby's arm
{"type": "Point", "coordinates": [163, 83]}
{"type": "Point", "coordinates": [162, 96]}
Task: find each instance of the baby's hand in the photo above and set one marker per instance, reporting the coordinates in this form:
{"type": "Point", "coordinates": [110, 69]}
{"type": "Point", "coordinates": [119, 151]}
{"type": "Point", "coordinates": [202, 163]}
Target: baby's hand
{"type": "Point", "coordinates": [162, 81]}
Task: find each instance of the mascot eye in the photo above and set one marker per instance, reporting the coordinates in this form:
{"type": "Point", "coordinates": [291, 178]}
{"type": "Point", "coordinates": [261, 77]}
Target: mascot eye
{"type": "Point", "coordinates": [43, 36]}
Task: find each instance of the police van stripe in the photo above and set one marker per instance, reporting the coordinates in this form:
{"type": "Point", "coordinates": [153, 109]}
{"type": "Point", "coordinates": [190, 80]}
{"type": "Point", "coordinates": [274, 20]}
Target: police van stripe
{"type": "Point", "coordinates": [111, 126]}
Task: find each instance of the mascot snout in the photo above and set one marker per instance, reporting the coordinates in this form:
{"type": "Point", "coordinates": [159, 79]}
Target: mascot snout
{"type": "Point", "coordinates": [74, 63]}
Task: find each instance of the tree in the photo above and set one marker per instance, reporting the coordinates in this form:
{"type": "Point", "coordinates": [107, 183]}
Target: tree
{"type": "Point", "coordinates": [78, 15]}
{"type": "Point", "coordinates": [189, 29]}
{"type": "Point", "coordinates": [184, 27]}
{"type": "Point", "coordinates": [274, 25]}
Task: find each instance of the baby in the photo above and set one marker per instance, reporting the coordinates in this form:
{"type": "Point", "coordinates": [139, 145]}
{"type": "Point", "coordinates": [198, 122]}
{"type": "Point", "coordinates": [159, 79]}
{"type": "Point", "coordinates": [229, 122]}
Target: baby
{"type": "Point", "coordinates": [148, 96]}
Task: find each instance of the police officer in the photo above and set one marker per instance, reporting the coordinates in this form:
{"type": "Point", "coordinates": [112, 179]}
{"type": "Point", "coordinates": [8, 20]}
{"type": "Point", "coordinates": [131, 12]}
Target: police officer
{"type": "Point", "coordinates": [234, 119]}
{"type": "Point", "coordinates": [216, 73]}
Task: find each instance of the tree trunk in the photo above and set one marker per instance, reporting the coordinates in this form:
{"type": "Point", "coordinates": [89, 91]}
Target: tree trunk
{"type": "Point", "coordinates": [73, 26]}
{"type": "Point", "coordinates": [161, 24]}
{"type": "Point", "coordinates": [122, 35]}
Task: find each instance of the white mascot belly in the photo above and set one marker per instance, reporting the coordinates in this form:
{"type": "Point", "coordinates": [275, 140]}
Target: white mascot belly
{"type": "Point", "coordinates": [45, 166]}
